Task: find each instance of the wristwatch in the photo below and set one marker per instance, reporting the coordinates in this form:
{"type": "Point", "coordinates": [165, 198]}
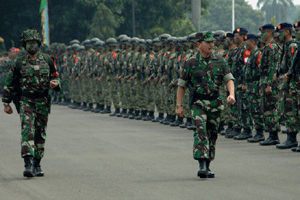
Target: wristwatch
{"type": "Point", "coordinates": [6, 104]}
{"type": "Point", "coordinates": [178, 105]}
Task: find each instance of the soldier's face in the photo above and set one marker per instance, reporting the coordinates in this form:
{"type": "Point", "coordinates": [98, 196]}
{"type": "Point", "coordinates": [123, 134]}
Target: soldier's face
{"type": "Point", "coordinates": [249, 44]}
{"type": "Point", "coordinates": [206, 47]}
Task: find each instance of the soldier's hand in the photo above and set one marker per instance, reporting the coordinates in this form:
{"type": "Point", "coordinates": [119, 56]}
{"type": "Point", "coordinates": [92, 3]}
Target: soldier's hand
{"type": "Point", "coordinates": [244, 88]}
{"type": "Point", "coordinates": [166, 67]}
{"type": "Point", "coordinates": [77, 79]}
{"type": "Point", "coordinates": [100, 79]}
{"type": "Point", "coordinates": [275, 77]}
{"type": "Point", "coordinates": [138, 68]}
{"type": "Point", "coordinates": [89, 75]}
{"type": "Point", "coordinates": [144, 82]}
{"type": "Point", "coordinates": [171, 85]}
{"type": "Point", "coordinates": [70, 77]}
{"type": "Point", "coordinates": [260, 91]}
{"type": "Point", "coordinates": [162, 80]}
{"type": "Point", "coordinates": [286, 78]}
{"type": "Point", "coordinates": [149, 79]}
{"type": "Point", "coordinates": [156, 80]}
{"type": "Point", "coordinates": [127, 77]}
{"type": "Point", "coordinates": [80, 75]}
{"type": "Point", "coordinates": [231, 99]}
{"type": "Point", "coordinates": [116, 79]}
{"type": "Point", "coordinates": [269, 90]}
{"type": "Point", "coordinates": [53, 84]}
{"type": "Point", "coordinates": [8, 109]}
{"type": "Point", "coordinates": [179, 111]}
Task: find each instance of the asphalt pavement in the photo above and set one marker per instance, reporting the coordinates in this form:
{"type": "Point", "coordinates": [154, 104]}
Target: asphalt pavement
{"type": "Point", "coordinates": [93, 156]}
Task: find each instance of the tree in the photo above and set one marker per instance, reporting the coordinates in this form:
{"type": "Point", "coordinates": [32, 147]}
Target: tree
{"type": "Point", "coordinates": [277, 8]}
{"type": "Point", "coordinates": [220, 16]}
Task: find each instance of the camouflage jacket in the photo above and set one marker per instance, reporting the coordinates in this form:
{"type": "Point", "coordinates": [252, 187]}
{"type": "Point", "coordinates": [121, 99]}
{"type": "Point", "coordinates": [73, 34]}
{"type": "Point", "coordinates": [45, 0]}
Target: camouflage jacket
{"type": "Point", "coordinates": [238, 64]}
{"type": "Point", "coordinates": [268, 62]}
{"type": "Point", "coordinates": [252, 71]}
{"type": "Point", "coordinates": [30, 76]}
{"type": "Point", "coordinates": [287, 56]}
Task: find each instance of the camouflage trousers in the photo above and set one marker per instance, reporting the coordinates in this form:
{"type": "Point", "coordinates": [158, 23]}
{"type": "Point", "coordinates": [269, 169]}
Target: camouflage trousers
{"type": "Point", "coordinates": [206, 120]}
{"type": "Point", "coordinates": [97, 95]}
{"type": "Point", "coordinates": [255, 112]}
{"type": "Point", "coordinates": [226, 113]}
{"type": "Point", "coordinates": [114, 93]}
{"type": "Point", "coordinates": [291, 112]}
{"type": "Point", "coordinates": [125, 94]}
{"type": "Point", "coordinates": [34, 118]}
{"type": "Point", "coordinates": [269, 109]}
{"type": "Point", "coordinates": [236, 109]}
{"type": "Point", "coordinates": [139, 97]}
{"type": "Point", "coordinates": [86, 90]}
{"type": "Point", "coordinates": [150, 96]}
{"type": "Point", "coordinates": [159, 98]}
{"type": "Point", "coordinates": [171, 101]}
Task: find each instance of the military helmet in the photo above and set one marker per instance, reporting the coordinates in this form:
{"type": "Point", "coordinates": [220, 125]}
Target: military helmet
{"type": "Point", "coordinates": [87, 43]}
{"type": "Point", "coordinates": [81, 48]}
{"type": "Point", "coordinates": [69, 48]}
{"type": "Point", "coordinates": [157, 42]}
{"type": "Point", "coordinates": [134, 40]}
{"type": "Point", "coordinates": [61, 47]}
{"type": "Point", "coordinates": [94, 40]}
{"type": "Point", "coordinates": [184, 40]}
{"type": "Point", "coordinates": [74, 42]}
{"type": "Point", "coordinates": [126, 40]}
{"type": "Point", "coordinates": [75, 46]}
{"type": "Point", "coordinates": [165, 36]}
{"type": "Point", "coordinates": [219, 35]}
{"type": "Point", "coordinates": [170, 40]}
{"type": "Point", "coordinates": [99, 43]}
{"type": "Point", "coordinates": [149, 42]}
{"type": "Point", "coordinates": [120, 37]}
{"type": "Point", "coordinates": [111, 42]}
{"type": "Point", "coordinates": [28, 35]}
{"type": "Point", "coordinates": [192, 38]}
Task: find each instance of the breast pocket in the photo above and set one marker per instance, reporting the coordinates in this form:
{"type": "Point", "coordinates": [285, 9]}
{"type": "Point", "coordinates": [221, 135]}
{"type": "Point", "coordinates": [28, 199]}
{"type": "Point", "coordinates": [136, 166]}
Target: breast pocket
{"type": "Point", "coordinates": [45, 73]}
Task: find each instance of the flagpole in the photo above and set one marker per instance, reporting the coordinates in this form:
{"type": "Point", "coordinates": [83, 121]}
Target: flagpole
{"type": "Point", "coordinates": [233, 17]}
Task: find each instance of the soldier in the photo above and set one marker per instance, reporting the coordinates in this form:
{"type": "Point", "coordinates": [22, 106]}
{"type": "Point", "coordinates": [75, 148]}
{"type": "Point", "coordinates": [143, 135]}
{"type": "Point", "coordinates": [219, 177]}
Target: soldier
{"type": "Point", "coordinates": [231, 48]}
{"type": "Point", "coordinates": [80, 64]}
{"type": "Point", "coordinates": [297, 28]}
{"type": "Point", "coordinates": [268, 87]}
{"type": "Point", "coordinates": [238, 63]}
{"type": "Point", "coordinates": [251, 88]}
{"type": "Point", "coordinates": [289, 100]}
{"type": "Point", "coordinates": [220, 39]}
{"type": "Point", "coordinates": [30, 77]}
{"type": "Point", "coordinates": [204, 74]}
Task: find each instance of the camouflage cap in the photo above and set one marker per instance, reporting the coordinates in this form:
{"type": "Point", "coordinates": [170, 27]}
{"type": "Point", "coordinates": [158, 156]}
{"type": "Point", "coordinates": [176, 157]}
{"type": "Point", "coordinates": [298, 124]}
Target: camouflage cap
{"type": "Point", "coordinates": [206, 36]}
{"type": "Point", "coordinates": [30, 34]}
{"type": "Point", "coordinates": [219, 35]}
{"type": "Point", "coordinates": [99, 43]}
{"type": "Point", "coordinates": [170, 40]}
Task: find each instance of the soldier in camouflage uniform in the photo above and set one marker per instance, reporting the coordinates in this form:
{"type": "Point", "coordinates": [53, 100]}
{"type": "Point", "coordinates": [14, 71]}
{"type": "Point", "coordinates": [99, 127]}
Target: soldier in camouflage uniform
{"type": "Point", "coordinates": [238, 63]}
{"type": "Point", "coordinates": [230, 47]}
{"type": "Point", "coordinates": [268, 87]}
{"type": "Point", "coordinates": [251, 88]}
{"type": "Point", "coordinates": [31, 76]}
{"type": "Point", "coordinates": [289, 98]}
{"type": "Point", "coordinates": [79, 66]}
{"type": "Point", "coordinates": [204, 73]}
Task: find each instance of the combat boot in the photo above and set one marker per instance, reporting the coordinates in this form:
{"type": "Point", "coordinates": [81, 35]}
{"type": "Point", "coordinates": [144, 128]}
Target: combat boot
{"type": "Point", "coordinates": [244, 135]}
{"type": "Point", "coordinates": [172, 120]}
{"type": "Point", "coordinates": [71, 105]}
{"type": "Point", "coordinates": [235, 132]}
{"type": "Point", "coordinates": [54, 101]}
{"type": "Point", "coordinates": [124, 111]}
{"type": "Point", "coordinates": [149, 117]}
{"type": "Point", "coordinates": [290, 142]}
{"type": "Point", "coordinates": [228, 130]}
{"type": "Point", "coordinates": [221, 127]}
{"type": "Point", "coordinates": [28, 172]}
{"type": "Point", "coordinates": [132, 116]}
{"type": "Point", "coordinates": [100, 108]}
{"type": "Point", "coordinates": [187, 123]}
{"type": "Point", "coordinates": [89, 107]}
{"type": "Point", "coordinates": [271, 140]}
{"type": "Point", "coordinates": [97, 107]}
{"type": "Point", "coordinates": [83, 105]}
{"type": "Point", "coordinates": [210, 173]}
{"type": "Point", "coordinates": [177, 122]}
{"type": "Point", "coordinates": [142, 115]}
{"type": "Point", "coordinates": [191, 127]}
{"type": "Point", "coordinates": [117, 111]}
{"type": "Point", "coordinates": [60, 101]}
{"type": "Point", "coordinates": [106, 110]}
{"type": "Point", "coordinates": [129, 113]}
{"type": "Point", "coordinates": [37, 171]}
{"type": "Point", "coordinates": [78, 105]}
{"type": "Point", "coordinates": [160, 117]}
{"type": "Point", "coordinates": [167, 118]}
{"type": "Point", "coordinates": [259, 136]}
{"type": "Point", "coordinates": [203, 172]}
{"type": "Point", "coordinates": [284, 131]}
{"type": "Point", "coordinates": [137, 115]}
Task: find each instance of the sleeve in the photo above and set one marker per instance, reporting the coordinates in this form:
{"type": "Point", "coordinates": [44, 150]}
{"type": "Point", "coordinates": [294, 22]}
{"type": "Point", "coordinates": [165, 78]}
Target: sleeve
{"type": "Point", "coordinates": [185, 75]}
{"type": "Point", "coordinates": [10, 83]}
{"type": "Point", "coordinates": [227, 75]}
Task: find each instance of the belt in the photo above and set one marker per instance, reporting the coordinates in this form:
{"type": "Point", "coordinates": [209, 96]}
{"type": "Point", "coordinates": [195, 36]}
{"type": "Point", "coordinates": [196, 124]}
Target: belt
{"type": "Point", "coordinates": [35, 95]}
{"type": "Point", "coordinates": [207, 97]}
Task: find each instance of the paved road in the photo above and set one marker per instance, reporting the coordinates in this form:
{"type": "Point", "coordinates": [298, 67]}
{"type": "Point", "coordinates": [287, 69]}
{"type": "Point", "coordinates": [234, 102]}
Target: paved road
{"type": "Point", "coordinates": [92, 156]}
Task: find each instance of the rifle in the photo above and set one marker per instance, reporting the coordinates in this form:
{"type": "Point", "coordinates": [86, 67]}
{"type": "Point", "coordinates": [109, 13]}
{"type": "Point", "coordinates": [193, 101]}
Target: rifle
{"type": "Point", "coordinates": [114, 69]}
{"type": "Point", "coordinates": [142, 69]}
{"type": "Point", "coordinates": [155, 73]}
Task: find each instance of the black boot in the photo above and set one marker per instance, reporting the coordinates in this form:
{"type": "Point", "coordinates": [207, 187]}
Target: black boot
{"type": "Point", "coordinates": [71, 105]}
{"type": "Point", "coordinates": [165, 119]}
{"type": "Point", "coordinates": [290, 142]}
{"type": "Point", "coordinates": [203, 172]}
{"type": "Point", "coordinates": [37, 171]}
{"type": "Point", "coordinates": [228, 130]}
{"type": "Point", "coordinates": [144, 114]}
{"type": "Point", "coordinates": [97, 107]}
{"type": "Point", "coordinates": [106, 110]}
{"type": "Point", "coordinates": [60, 101]}
{"type": "Point", "coordinates": [160, 117]}
{"type": "Point", "coordinates": [83, 105]}
{"type": "Point", "coordinates": [244, 135]}
{"type": "Point", "coordinates": [132, 116]}
{"type": "Point", "coordinates": [171, 120]}
{"type": "Point", "coordinates": [137, 115]}
{"type": "Point", "coordinates": [78, 105]}
{"type": "Point", "coordinates": [124, 111]}
{"type": "Point", "coordinates": [177, 122]}
{"type": "Point", "coordinates": [100, 108]}
{"type": "Point", "coordinates": [28, 172]}
{"type": "Point", "coordinates": [191, 126]}
{"type": "Point", "coordinates": [187, 123]}
{"type": "Point", "coordinates": [210, 173]}
{"type": "Point", "coordinates": [129, 113]}
{"type": "Point", "coordinates": [89, 107]}
{"type": "Point", "coordinates": [259, 136]}
{"type": "Point", "coordinates": [235, 132]}
{"type": "Point", "coordinates": [140, 117]}
{"type": "Point", "coordinates": [221, 127]}
{"type": "Point", "coordinates": [117, 111]}
{"type": "Point", "coordinates": [271, 140]}
{"type": "Point", "coordinates": [284, 131]}
{"type": "Point", "coordinates": [149, 117]}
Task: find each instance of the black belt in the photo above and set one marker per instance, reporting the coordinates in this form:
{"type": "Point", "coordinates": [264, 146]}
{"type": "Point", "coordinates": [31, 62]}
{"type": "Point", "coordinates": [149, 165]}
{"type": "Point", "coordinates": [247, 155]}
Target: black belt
{"type": "Point", "coordinates": [253, 79]}
{"type": "Point", "coordinates": [207, 97]}
{"type": "Point", "coordinates": [35, 95]}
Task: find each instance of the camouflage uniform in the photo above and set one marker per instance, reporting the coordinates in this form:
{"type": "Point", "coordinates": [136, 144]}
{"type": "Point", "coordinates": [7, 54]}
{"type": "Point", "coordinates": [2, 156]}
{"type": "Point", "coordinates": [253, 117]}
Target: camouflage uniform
{"type": "Point", "coordinates": [206, 75]}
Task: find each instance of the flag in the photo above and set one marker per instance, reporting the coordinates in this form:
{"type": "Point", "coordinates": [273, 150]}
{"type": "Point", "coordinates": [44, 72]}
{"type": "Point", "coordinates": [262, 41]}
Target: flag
{"type": "Point", "coordinates": [43, 4]}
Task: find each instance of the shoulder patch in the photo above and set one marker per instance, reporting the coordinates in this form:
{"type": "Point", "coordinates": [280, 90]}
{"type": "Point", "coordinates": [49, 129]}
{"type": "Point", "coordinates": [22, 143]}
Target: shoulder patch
{"type": "Point", "coordinates": [258, 58]}
{"type": "Point", "coordinates": [270, 45]}
{"type": "Point", "coordinates": [293, 50]}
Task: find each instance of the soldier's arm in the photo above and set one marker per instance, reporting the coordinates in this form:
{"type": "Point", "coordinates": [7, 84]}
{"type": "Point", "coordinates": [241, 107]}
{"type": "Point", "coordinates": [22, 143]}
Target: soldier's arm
{"type": "Point", "coordinates": [54, 76]}
{"type": "Point", "coordinates": [9, 85]}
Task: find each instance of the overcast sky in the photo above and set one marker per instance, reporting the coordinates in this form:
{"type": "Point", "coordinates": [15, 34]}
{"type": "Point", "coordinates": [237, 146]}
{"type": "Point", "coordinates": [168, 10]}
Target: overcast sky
{"type": "Point", "coordinates": [253, 2]}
